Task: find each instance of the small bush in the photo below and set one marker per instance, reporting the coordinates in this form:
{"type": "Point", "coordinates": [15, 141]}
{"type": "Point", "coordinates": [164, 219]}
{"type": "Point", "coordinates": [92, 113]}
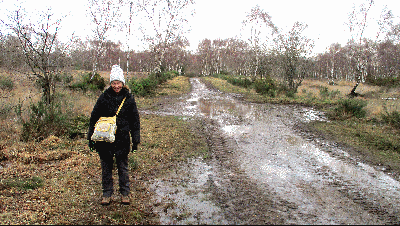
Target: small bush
{"type": "Point", "coordinates": [65, 78]}
{"type": "Point", "coordinates": [387, 82]}
{"type": "Point", "coordinates": [167, 76]}
{"type": "Point", "coordinates": [324, 92]}
{"type": "Point", "coordinates": [348, 108]}
{"type": "Point", "coordinates": [6, 83]}
{"type": "Point", "coordinates": [142, 87]}
{"type": "Point", "coordinates": [391, 118]}
{"type": "Point", "coordinates": [45, 120]}
{"type": "Point", "coordinates": [89, 83]}
{"type": "Point", "coordinates": [290, 93]}
{"type": "Point", "coordinates": [97, 82]}
{"type": "Point", "coordinates": [238, 81]}
{"type": "Point", "coordinates": [146, 86]}
{"type": "Point", "coordinates": [265, 87]}
{"type": "Point", "coordinates": [235, 80]}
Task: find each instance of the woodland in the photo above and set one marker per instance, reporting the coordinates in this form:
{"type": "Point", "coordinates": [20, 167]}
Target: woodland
{"type": "Point", "coordinates": [35, 49]}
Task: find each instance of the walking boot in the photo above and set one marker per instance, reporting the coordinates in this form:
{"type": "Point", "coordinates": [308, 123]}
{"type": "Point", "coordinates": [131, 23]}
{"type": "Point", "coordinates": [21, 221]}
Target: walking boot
{"type": "Point", "coordinates": [106, 201]}
{"type": "Point", "coordinates": [125, 200]}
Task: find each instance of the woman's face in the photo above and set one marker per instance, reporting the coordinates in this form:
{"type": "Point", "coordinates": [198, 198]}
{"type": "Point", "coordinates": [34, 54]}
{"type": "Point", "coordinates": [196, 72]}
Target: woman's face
{"type": "Point", "coordinates": [117, 86]}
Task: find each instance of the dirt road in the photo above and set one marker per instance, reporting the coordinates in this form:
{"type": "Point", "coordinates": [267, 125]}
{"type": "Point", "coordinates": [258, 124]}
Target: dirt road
{"type": "Point", "coordinates": [264, 169]}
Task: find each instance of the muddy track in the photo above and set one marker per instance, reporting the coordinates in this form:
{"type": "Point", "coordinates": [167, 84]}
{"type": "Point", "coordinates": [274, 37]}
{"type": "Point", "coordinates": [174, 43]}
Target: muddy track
{"type": "Point", "coordinates": [242, 201]}
{"type": "Point", "coordinates": [267, 167]}
{"type": "Point", "coordinates": [345, 187]}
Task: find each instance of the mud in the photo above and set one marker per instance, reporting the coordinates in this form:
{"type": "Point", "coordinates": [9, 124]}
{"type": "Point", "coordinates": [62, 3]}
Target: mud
{"type": "Point", "coordinates": [265, 168]}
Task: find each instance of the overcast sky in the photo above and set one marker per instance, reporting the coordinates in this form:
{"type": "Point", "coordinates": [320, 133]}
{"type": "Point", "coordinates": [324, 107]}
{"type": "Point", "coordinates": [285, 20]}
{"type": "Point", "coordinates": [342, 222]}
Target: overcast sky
{"type": "Point", "coordinates": [222, 18]}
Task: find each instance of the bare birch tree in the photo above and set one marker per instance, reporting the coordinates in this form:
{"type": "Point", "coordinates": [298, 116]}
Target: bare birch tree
{"type": "Point", "coordinates": [358, 23]}
{"type": "Point", "coordinates": [40, 47]}
{"type": "Point", "coordinates": [128, 35]}
{"type": "Point", "coordinates": [104, 14]}
{"type": "Point", "coordinates": [259, 22]}
{"type": "Point", "coordinates": [164, 23]}
{"type": "Point", "coordinates": [292, 47]}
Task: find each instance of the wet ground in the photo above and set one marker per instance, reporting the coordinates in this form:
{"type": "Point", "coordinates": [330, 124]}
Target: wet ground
{"type": "Point", "coordinates": [265, 169]}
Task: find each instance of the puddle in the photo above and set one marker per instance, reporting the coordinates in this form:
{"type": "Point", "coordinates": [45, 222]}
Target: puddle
{"type": "Point", "coordinates": [312, 115]}
{"type": "Point", "coordinates": [316, 182]}
{"type": "Point", "coordinates": [181, 198]}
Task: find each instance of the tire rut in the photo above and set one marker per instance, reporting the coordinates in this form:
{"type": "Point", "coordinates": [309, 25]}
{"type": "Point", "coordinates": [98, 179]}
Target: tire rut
{"type": "Point", "coordinates": [240, 198]}
{"type": "Point", "coordinates": [287, 175]}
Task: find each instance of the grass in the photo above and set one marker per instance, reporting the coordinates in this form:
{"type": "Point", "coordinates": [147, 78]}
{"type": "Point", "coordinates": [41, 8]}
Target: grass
{"type": "Point", "coordinates": [379, 144]}
{"type": "Point", "coordinates": [176, 86]}
{"type": "Point", "coordinates": [372, 139]}
{"type": "Point", "coordinates": [58, 180]}
{"type": "Point", "coordinates": [163, 146]}
{"type": "Point", "coordinates": [20, 183]}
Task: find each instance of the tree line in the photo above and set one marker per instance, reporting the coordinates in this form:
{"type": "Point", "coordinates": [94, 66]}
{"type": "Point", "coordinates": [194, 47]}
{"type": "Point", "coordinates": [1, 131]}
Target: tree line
{"type": "Point", "coordinates": [233, 56]}
{"type": "Point", "coordinates": [269, 52]}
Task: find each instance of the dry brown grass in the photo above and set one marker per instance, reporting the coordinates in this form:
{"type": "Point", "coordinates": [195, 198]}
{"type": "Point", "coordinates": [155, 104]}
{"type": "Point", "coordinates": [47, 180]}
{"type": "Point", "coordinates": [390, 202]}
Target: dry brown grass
{"type": "Point", "coordinates": [309, 92]}
{"type": "Point", "coordinates": [377, 98]}
{"type": "Point", "coordinates": [25, 91]}
{"type": "Point", "coordinates": [71, 174]}
{"type": "Point", "coordinates": [71, 177]}
{"type": "Point", "coordinates": [313, 86]}
{"type": "Point", "coordinates": [176, 86]}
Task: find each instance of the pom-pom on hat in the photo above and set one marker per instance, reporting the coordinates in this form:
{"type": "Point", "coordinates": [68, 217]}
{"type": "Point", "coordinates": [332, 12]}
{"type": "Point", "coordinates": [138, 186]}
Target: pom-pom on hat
{"type": "Point", "coordinates": [117, 74]}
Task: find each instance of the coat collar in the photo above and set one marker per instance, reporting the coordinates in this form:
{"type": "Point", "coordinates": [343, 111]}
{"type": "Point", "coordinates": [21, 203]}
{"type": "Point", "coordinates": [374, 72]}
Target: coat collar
{"type": "Point", "coordinates": [110, 92]}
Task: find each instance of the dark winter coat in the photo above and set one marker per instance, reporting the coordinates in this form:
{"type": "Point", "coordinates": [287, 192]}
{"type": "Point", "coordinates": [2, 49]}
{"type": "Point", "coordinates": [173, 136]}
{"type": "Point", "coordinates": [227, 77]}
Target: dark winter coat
{"type": "Point", "coordinates": [128, 122]}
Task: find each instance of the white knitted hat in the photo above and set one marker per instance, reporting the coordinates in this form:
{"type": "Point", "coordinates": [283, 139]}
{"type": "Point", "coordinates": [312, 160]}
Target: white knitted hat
{"type": "Point", "coordinates": [117, 74]}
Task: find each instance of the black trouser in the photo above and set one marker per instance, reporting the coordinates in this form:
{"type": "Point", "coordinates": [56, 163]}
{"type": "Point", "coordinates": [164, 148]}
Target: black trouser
{"type": "Point", "coordinates": [107, 161]}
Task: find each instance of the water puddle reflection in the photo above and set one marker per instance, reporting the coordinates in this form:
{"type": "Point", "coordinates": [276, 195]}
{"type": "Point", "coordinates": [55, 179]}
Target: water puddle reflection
{"type": "Point", "coordinates": [321, 185]}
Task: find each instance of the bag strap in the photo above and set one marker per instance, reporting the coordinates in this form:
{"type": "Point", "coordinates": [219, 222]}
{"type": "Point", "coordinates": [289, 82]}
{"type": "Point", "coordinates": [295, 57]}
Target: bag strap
{"type": "Point", "coordinates": [120, 106]}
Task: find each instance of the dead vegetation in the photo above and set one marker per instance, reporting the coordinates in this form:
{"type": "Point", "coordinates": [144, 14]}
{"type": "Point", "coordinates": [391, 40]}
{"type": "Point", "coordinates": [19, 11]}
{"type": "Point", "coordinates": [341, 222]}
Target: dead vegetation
{"type": "Point", "coordinates": [58, 180]}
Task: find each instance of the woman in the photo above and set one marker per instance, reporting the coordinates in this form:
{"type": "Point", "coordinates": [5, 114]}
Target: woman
{"type": "Point", "coordinates": [128, 122]}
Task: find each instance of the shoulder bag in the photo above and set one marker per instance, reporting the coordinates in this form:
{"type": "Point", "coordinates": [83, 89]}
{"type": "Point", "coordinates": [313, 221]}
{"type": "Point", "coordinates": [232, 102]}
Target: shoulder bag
{"type": "Point", "coordinates": [105, 127]}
